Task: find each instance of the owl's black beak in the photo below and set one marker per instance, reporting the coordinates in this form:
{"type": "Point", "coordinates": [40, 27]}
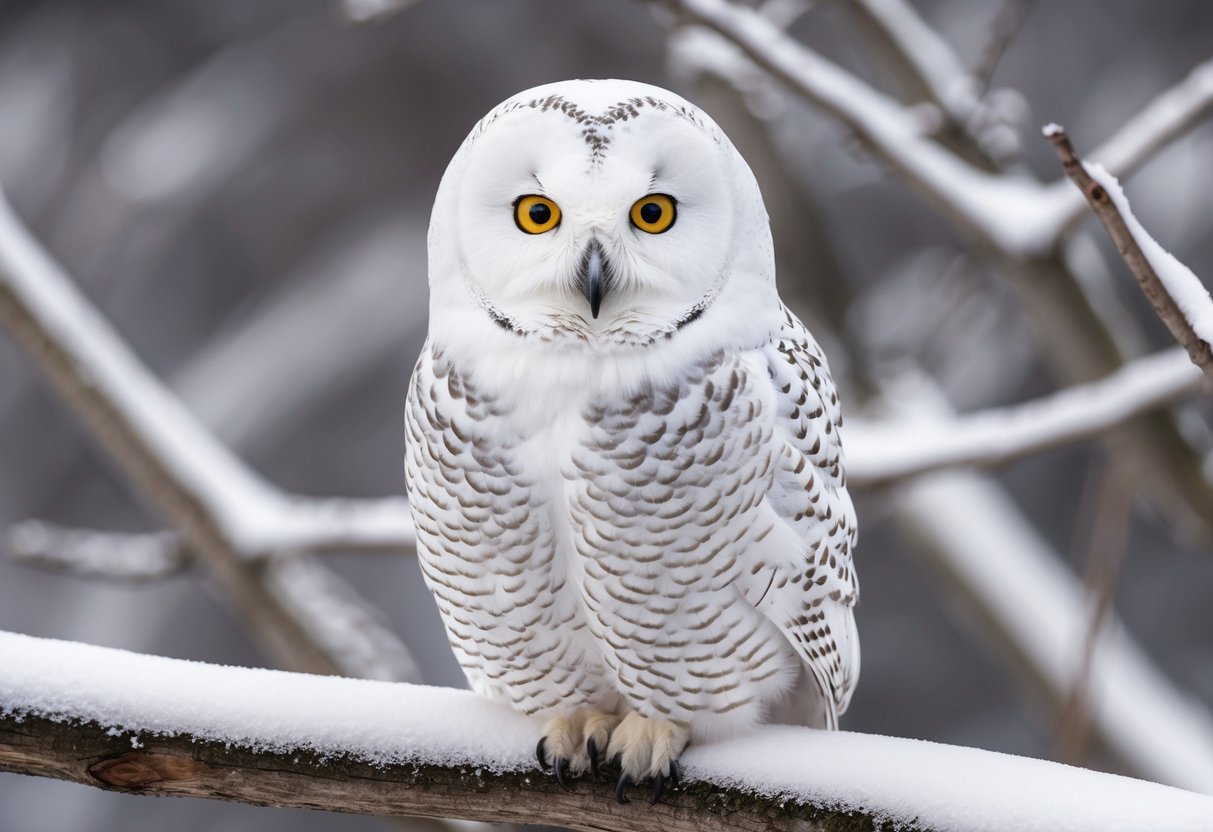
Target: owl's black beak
{"type": "Point", "coordinates": [594, 274]}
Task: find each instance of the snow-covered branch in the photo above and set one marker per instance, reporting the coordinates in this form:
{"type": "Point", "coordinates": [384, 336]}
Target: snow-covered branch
{"type": "Point", "coordinates": [224, 513]}
{"type": "Point", "coordinates": [882, 452]}
{"type": "Point", "coordinates": [1177, 295]}
{"type": "Point", "coordinates": [154, 726]}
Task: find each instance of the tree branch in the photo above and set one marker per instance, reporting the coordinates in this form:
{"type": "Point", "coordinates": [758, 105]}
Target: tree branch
{"type": "Point", "coordinates": [1177, 295]}
{"type": "Point", "coordinates": [878, 454]}
{"type": "Point", "coordinates": [222, 511]}
{"type": "Point", "coordinates": [154, 726]}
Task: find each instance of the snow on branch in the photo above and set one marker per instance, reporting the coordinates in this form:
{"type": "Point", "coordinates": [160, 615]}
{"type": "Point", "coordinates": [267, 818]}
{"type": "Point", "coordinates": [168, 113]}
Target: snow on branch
{"type": "Point", "coordinates": [224, 513]}
{"type": "Point", "coordinates": [155, 726]}
{"type": "Point", "coordinates": [1177, 295]}
{"type": "Point", "coordinates": [882, 452]}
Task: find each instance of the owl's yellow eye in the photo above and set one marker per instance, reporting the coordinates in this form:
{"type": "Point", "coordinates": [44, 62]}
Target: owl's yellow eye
{"type": "Point", "coordinates": [654, 213]}
{"type": "Point", "coordinates": [536, 214]}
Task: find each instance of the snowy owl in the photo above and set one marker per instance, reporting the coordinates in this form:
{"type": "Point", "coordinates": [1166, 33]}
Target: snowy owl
{"type": "Point", "coordinates": [623, 454]}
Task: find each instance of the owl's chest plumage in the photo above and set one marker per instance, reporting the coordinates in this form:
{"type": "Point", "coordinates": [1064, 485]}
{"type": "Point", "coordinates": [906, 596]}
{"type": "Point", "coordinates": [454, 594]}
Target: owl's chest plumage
{"type": "Point", "coordinates": [597, 553]}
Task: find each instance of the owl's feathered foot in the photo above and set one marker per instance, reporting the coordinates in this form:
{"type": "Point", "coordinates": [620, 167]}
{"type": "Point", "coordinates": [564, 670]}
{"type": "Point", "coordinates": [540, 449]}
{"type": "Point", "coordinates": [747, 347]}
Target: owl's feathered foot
{"type": "Point", "coordinates": [647, 748]}
{"type": "Point", "coordinates": [572, 743]}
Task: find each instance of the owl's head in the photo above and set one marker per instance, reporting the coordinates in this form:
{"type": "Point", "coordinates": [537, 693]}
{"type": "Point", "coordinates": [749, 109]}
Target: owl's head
{"type": "Point", "coordinates": [605, 214]}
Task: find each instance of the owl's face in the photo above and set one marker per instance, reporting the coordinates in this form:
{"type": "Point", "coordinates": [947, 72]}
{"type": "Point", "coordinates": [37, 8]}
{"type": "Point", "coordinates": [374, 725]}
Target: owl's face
{"type": "Point", "coordinates": [605, 211]}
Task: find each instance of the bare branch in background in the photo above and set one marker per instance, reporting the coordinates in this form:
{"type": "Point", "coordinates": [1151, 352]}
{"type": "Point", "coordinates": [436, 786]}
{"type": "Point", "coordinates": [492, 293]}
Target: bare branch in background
{"type": "Point", "coordinates": [222, 511]}
{"type": "Point", "coordinates": [1007, 23]}
{"type": "Point", "coordinates": [1108, 524]}
{"type": "Point", "coordinates": [878, 454]}
{"type": "Point", "coordinates": [1177, 295]}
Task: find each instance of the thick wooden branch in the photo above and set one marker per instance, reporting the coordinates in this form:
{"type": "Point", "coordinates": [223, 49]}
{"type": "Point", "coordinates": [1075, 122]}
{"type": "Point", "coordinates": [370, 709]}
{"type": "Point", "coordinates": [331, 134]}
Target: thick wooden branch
{"type": "Point", "coordinates": [153, 726]}
{"type": "Point", "coordinates": [183, 766]}
{"type": "Point", "coordinates": [1128, 240]}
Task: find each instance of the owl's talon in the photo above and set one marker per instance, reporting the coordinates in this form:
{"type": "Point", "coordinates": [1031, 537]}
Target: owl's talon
{"type": "Point", "coordinates": [658, 788]}
{"type": "Point", "coordinates": [675, 774]}
{"type": "Point", "coordinates": [542, 754]}
{"type": "Point", "coordinates": [591, 748]}
{"type": "Point", "coordinates": [622, 783]}
{"type": "Point", "coordinates": [562, 768]}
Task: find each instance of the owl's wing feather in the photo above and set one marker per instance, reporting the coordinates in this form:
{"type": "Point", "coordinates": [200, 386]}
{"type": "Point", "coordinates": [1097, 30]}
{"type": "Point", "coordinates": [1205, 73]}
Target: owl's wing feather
{"type": "Point", "coordinates": [812, 586]}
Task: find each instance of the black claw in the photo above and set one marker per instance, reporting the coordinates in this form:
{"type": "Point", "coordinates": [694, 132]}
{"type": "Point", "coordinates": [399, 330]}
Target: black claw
{"type": "Point", "coordinates": [541, 751]}
{"type": "Point", "coordinates": [591, 748]}
{"type": "Point", "coordinates": [675, 774]}
{"type": "Point", "coordinates": [562, 768]}
{"type": "Point", "coordinates": [658, 788]}
{"type": "Point", "coordinates": [622, 783]}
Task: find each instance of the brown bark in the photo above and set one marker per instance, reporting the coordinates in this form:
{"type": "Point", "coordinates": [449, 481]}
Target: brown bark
{"type": "Point", "coordinates": [1152, 286]}
{"type": "Point", "coordinates": [183, 766]}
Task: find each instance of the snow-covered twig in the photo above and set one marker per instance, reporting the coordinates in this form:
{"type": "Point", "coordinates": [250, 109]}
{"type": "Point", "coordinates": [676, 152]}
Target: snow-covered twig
{"type": "Point", "coordinates": [879, 453]}
{"type": "Point", "coordinates": [1177, 295]}
{"type": "Point", "coordinates": [120, 556]}
{"type": "Point", "coordinates": [154, 726]}
{"type": "Point", "coordinates": [224, 513]}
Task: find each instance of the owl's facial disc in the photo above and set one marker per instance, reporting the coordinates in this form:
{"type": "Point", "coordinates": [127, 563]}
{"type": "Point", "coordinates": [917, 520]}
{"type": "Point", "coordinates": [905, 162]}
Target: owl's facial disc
{"type": "Point", "coordinates": [609, 221]}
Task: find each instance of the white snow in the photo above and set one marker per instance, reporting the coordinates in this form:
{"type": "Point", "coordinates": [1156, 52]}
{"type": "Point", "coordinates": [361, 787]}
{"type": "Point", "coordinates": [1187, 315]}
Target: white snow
{"type": "Point", "coordinates": [1185, 288]}
{"type": "Point", "coordinates": [939, 786]}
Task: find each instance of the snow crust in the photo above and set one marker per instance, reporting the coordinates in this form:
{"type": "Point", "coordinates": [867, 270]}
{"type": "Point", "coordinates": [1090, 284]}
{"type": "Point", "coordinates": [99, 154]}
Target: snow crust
{"type": "Point", "coordinates": [1189, 293]}
{"type": "Point", "coordinates": [938, 786]}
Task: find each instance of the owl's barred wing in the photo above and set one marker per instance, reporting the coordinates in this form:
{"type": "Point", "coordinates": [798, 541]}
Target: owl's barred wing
{"type": "Point", "coordinates": [812, 587]}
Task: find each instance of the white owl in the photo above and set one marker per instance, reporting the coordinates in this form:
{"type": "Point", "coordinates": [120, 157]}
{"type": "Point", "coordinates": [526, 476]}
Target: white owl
{"type": "Point", "coordinates": [624, 458]}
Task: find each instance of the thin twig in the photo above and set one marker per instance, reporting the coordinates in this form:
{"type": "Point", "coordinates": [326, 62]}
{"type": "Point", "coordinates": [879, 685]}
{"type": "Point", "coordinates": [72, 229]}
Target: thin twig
{"type": "Point", "coordinates": [1156, 290]}
{"type": "Point", "coordinates": [1005, 27]}
{"type": "Point", "coordinates": [1108, 532]}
